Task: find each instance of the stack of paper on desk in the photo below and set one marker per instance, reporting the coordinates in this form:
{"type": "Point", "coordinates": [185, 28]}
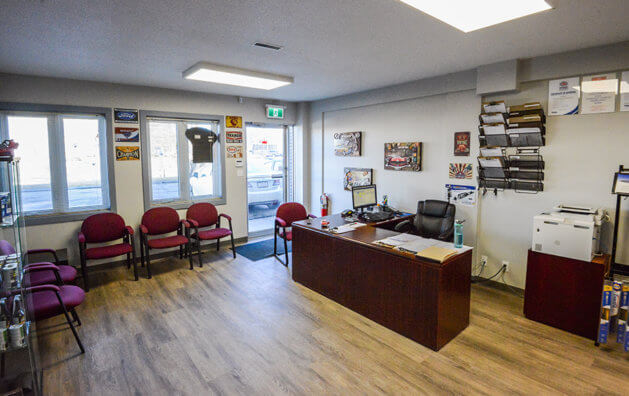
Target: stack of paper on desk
{"type": "Point", "coordinates": [397, 240]}
{"type": "Point", "coordinates": [346, 228]}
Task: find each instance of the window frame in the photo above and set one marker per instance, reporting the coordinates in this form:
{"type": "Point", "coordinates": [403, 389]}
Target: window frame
{"type": "Point", "coordinates": [146, 160]}
{"type": "Point", "coordinates": [55, 144]}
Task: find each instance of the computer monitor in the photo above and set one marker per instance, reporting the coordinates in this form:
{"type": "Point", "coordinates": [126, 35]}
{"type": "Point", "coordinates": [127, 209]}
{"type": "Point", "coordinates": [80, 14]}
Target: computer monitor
{"type": "Point", "coordinates": [364, 196]}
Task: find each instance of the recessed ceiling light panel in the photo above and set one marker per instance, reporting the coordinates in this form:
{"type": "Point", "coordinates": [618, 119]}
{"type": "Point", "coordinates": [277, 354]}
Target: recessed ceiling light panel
{"type": "Point", "coordinates": [228, 75]}
{"type": "Point", "coordinates": [469, 15]}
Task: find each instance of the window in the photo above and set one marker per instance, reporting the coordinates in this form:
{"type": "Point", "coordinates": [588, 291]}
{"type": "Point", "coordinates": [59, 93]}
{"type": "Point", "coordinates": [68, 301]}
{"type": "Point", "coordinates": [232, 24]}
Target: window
{"type": "Point", "coordinates": [63, 161]}
{"type": "Point", "coordinates": [169, 173]}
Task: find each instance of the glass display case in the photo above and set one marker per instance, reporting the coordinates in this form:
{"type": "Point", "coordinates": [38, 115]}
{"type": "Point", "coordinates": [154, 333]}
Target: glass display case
{"type": "Point", "coordinates": [20, 369]}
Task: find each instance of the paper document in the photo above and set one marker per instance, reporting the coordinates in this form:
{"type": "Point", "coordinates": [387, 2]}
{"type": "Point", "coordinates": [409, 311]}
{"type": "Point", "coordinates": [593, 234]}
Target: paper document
{"type": "Point", "coordinates": [491, 151]}
{"type": "Point", "coordinates": [416, 245]}
{"type": "Point", "coordinates": [523, 130]}
{"type": "Point", "coordinates": [492, 118]}
{"type": "Point", "coordinates": [397, 240]}
{"type": "Point", "coordinates": [494, 129]}
{"type": "Point", "coordinates": [494, 107]}
{"type": "Point", "coordinates": [490, 162]}
{"type": "Point", "coordinates": [346, 228]}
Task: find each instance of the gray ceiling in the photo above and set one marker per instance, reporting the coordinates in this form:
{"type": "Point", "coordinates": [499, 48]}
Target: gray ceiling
{"type": "Point", "coordinates": [331, 47]}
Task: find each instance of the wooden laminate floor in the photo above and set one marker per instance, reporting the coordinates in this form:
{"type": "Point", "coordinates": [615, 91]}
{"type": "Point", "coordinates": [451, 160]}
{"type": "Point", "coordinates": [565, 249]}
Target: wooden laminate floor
{"type": "Point", "coordinates": [242, 327]}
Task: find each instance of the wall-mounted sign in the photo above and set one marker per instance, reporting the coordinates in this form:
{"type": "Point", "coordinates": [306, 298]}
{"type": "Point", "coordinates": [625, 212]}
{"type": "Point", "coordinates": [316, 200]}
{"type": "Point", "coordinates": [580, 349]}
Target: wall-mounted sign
{"type": "Point", "coordinates": [347, 144]}
{"type": "Point", "coordinates": [234, 151]}
{"type": "Point", "coordinates": [403, 156]}
{"type": "Point", "coordinates": [462, 143]}
{"type": "Point", "coordinates": [233, 137]}
{"type": "Point", "coordinates": [127, 153]}
{"type": "Point", "coordinates": [624, 91]}
{"type": "Point", "coordinates": [126, 115]}
{"type": "Point", "coordinates": [275, 112]}
{"type": "Point", "coordinates": [563, 96]}
{"type": "Point", "coordinates": [460, 171]}
{"type": "Point", "coordinates": [459, 194]}
{"type": "Point", "coordinates": [127, 135]}
{"type": "Point", "coordinates": [599, 93]}
{"type": "Point", "coordinates": [233, 121]}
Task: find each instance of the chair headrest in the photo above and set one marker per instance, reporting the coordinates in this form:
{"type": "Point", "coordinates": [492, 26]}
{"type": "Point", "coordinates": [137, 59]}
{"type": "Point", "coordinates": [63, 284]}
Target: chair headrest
{"type": "Point", "coordinates": [432, 207]}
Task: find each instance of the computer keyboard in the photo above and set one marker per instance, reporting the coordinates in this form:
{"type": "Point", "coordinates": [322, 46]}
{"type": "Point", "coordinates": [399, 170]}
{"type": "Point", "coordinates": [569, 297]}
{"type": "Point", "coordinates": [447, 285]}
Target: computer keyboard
{"type": "Point", "coordinates": [372, 217]}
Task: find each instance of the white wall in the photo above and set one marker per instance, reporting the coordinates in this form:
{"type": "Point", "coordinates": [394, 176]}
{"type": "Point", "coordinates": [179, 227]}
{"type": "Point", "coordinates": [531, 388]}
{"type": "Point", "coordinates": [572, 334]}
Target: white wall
{"type": "Point", "coordinates": [425, 120]}
{"type": "Point", "coordinates": [582, 152]}
{"type": "Point", "coordinates": [128, 174]}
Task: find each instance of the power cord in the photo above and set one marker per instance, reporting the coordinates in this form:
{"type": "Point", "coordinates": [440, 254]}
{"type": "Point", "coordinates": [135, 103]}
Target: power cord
{"type": "Point", "coordinates": [481, 280]}
{"type": "Point", "coordinates": [513, 290]}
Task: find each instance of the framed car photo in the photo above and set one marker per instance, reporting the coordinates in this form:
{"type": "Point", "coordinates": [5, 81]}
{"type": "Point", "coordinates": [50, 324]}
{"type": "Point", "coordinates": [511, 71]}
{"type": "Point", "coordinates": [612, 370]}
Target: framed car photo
{"type": "Point", "coordinates": [403, 156]}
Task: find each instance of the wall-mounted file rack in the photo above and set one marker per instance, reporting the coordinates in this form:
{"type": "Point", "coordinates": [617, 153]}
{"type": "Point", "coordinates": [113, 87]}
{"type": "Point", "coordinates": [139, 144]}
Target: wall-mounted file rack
{"type": "Point", "coordinates": [522, 171]}
{"type": "Point", "coordinates": [515, 126]}
{"type": "Point", "coordinates": [503, 128]}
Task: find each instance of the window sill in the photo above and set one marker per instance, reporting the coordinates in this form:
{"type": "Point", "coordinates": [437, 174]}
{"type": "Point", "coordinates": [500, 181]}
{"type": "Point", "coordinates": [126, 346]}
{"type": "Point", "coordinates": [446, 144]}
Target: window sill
{"type": "Point", "coordinates": [53, 218]}
{"type": "Point", "coordinates": [178, 205]}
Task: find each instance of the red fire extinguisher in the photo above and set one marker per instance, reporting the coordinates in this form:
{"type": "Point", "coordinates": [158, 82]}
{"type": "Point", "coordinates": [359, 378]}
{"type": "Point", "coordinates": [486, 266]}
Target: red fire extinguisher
{"type": "Point", "coordinates": [325, 201]}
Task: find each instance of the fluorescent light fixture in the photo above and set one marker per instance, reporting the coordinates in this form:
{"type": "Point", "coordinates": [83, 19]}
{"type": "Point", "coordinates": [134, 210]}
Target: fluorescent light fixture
{"type": "Point", "coordinates": [469, 15]}
{"type": "Point", "coordinates": [228, 75]}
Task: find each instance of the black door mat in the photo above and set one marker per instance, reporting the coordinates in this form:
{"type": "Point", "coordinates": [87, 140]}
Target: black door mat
{"type": "Point", "coordinates": [260, 250]}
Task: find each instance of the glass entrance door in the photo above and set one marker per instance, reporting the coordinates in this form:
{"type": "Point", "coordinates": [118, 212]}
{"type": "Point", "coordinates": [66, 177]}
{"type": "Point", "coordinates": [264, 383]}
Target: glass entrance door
{"type": "Point", "coordinates": [266, 175]}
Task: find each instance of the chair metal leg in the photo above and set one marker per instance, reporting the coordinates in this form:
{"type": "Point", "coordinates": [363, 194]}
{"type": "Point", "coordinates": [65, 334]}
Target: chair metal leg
{"type": "Point", "coordinates": [199, 252]}
{"type": "Point", "coordinates": [148, 263]}
{"type": "Point", "coordinates": [141, 252]}
{"type": "Point", "coordinates": [233, 246]}
{"type": "Point", "coordinates": [86, 283]}
{"type": "Point", "coordinates": [135, 263]}
{"type": "Point", "coordinates": [65, 312]}
{"type": "Point", "coordinates": [75, 316]}
{"type": "Point", "coordinates": [180, 252]}
{"type": "Point", "coordinates": [189, 253]}
{"type": "Point", "coordinates": [275, 243]}
{"type": "Point", "coordinates": [218, 243]}
{"type": "Point", "coordinates": [128, 260]}
{"type": "Point", "coordinates": [286, 251]}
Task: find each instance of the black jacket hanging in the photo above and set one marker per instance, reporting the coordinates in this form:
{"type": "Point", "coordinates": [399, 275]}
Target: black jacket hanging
{"type": "Point", "coordinates": [202, 140]}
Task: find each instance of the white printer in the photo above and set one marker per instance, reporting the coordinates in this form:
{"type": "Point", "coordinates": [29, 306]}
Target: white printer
{"type": "Point", "coordinates": [568, 231]}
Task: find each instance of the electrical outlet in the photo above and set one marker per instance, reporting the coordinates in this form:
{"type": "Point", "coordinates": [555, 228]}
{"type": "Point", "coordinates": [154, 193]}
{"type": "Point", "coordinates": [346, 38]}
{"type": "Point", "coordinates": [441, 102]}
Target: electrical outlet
{"type": "Point", "coordinates": [505, 264]}
{"type": "Point", "coordinates": [483, 260]}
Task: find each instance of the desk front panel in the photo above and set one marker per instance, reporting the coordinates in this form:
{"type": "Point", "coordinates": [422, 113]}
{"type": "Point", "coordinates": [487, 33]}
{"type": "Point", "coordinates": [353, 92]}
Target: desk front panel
{"type": "Point", "coordinates": [402, 293]}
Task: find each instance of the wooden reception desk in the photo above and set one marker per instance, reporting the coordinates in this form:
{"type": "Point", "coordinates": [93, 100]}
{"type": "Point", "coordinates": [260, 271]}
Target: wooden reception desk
{"type": "Point", "coordinates": [425, 301]}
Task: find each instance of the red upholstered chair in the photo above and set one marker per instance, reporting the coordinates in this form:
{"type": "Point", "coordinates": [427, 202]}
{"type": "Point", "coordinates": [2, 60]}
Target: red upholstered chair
{"type": "Point", "coordinates": [101, 228]}
{"type": "Point", "coordinates": [202, 215]}
{"type": "Point", "coordinates": [47, 301]}
{"type": "Point", "coordinates": [160, 221]}
{"type": "Point", "coordinates": [286, 214]}
{"type": "Point", "coordinates": [44, 272]}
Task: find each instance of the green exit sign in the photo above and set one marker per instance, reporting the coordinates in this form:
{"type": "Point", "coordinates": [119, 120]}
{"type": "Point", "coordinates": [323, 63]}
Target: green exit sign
{"type": "Point", "coordinates": [275, 112]}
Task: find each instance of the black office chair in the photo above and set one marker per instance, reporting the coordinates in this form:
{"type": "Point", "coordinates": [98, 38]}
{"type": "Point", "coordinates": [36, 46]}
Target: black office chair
{"type": "Point", "coordinates": [434, 219]}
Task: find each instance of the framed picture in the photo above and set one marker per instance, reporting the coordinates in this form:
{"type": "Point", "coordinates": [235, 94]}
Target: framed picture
{"type": "Point", "coordinates": [462, 143]}
{"type": "Point", "coordinates": [403, 156]}
{"type": "Point", "coordinates": [126, 135]}
{"type": "Point", "coordinates": [233, 121]}
{"type": "Point", "coordinates": [347, 144]}
{"type": "Point", "coordinates": [621, 184]}
{"type": "Point", "coordinates": [126, 115]}
{"type": "Point", "coordinates": [355, 177]}
{"type": "Point", "coordinates": [460, 171]}
{"type": "Point", "coordinates": [127, 153]}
